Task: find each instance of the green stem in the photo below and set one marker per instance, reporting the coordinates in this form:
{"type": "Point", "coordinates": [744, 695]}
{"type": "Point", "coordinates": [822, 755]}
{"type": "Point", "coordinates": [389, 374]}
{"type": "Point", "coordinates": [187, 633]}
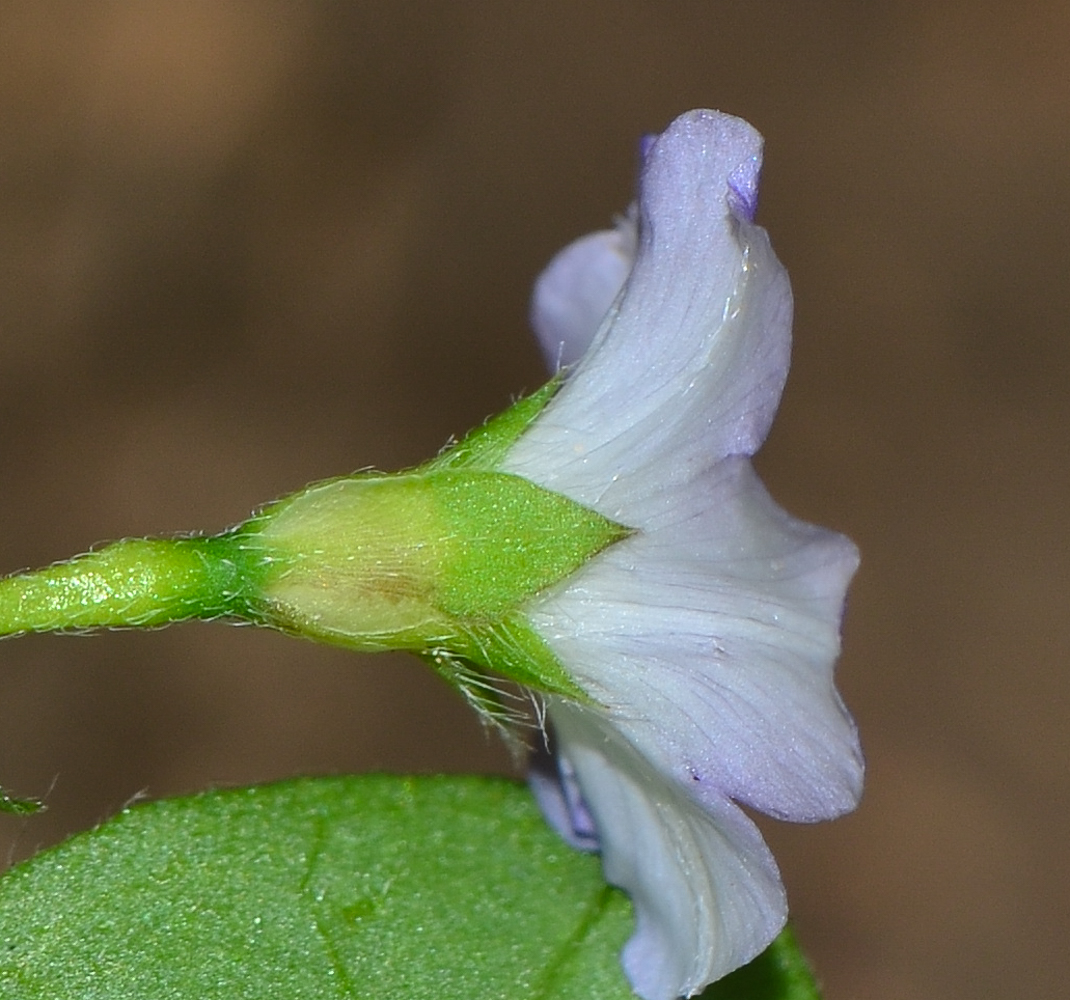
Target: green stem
{"type": "Point", "coordinates": [136, 582]}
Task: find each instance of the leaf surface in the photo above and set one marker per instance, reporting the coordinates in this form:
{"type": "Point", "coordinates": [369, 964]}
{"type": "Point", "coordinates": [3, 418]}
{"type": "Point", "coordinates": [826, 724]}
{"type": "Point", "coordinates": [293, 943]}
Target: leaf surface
{"type": "Point", "coordinates": [449, 888]}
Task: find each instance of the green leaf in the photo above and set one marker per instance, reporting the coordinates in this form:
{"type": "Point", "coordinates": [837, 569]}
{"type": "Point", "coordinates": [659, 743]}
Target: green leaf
{"type": "Point", "coordinates": [449, 888]}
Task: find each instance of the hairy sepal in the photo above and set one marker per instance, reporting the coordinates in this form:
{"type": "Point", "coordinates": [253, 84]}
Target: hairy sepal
{"type": "Point", "coordinates": [440, 560]}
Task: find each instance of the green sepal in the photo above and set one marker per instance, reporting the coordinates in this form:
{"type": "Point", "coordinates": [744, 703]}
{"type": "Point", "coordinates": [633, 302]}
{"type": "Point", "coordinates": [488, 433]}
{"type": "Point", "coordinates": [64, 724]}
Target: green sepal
{"type": "Point", "coordinates": [485, 447]}
{"type": "Point", "coordinates": [439, 562]}
{"type": "Point", "coordinates": [508, 647]}
{"type": "Point", "coordinates": [514, 538]}
{"type": "Point", "coordinates": [511, 647]}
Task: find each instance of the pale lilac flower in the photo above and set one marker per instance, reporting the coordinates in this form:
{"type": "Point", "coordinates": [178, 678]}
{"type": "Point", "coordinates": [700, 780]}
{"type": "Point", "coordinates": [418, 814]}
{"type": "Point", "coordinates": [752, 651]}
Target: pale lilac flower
{"type": "Point", "coordinates": [706, 640]}
{"type": "Point", "coordinates": [577, 289]}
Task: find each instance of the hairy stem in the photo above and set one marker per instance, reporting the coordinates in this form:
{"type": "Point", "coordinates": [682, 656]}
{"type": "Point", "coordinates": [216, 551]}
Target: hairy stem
{"type": "Point", "coordinates": [136, 582]}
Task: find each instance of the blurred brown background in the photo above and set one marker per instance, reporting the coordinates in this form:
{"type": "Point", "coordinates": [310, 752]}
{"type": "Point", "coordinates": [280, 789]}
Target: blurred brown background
{"type": "Point", "coordinates": [245, 245]}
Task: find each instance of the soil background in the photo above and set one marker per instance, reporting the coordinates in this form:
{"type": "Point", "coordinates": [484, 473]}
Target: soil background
{"type": "Point", "coordinates": [244, 246]}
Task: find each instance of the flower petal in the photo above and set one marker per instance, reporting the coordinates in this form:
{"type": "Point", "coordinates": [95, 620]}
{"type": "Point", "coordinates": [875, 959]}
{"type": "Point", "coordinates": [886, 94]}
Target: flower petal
{"type": "Point", "coordinates": [552, 780]}
{"type": "Point", "coordinates": [709, 638]}
{"type": "Point", "coordinates": [706, 891]}
{"type": "Point", "coordinates": [577, 289]}
{"type": "Point", "coordinates": [694, 357]}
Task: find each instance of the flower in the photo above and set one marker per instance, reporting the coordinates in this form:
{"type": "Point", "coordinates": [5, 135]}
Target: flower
{"type": "Point", "coordinates": [604, 541]}
{"type": "Point", "coordinates": [706, 639]}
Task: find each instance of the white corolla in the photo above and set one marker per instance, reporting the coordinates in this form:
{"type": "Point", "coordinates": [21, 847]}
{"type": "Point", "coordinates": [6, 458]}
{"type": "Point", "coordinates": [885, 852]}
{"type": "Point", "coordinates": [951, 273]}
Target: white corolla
{"type": "Point", "coordinates": [706, 639]}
